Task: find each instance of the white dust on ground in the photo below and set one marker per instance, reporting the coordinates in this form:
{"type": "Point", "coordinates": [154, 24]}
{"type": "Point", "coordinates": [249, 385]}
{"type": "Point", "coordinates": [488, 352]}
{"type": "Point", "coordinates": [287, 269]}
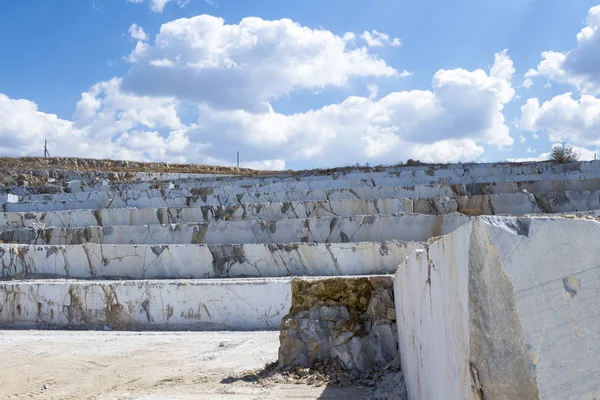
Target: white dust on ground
{"type": "Point", "coordinates": [145, 365]}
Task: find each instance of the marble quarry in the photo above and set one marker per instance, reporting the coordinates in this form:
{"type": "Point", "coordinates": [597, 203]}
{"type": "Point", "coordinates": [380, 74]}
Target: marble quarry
{"type": "Point", "coordinates": [479, 280]}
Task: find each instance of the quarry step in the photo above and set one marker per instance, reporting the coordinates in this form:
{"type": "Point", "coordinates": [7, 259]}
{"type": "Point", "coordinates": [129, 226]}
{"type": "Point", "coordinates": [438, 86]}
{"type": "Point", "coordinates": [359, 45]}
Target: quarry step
{"type": "Point", "coordinates": [225, 304]}
{"type": "Point", "coordinates": [165, 215]}
{"type": "Point", "coordinates": [93, 261]}
{"type": "Point", "coordinates": [203, 305]}
{"type": "Point", "coordinates": [524, 200]}
{"type": "Point", "coordinates": [506, 203]}
{"type": "Point", "coordinates": [431, 175]}
{"type": "Point", "coordinates": [154, 198]}
{"type": "Point", "coordinates": [449, 173]}
{"type": "Point", "coordinates": [375, 228]}
{"type": "Point", "coordinates": [412, 190]}
{"type": "Point", "coordinates": [193, 188]}
{"type": "Point", "coordinates": [515, 203]}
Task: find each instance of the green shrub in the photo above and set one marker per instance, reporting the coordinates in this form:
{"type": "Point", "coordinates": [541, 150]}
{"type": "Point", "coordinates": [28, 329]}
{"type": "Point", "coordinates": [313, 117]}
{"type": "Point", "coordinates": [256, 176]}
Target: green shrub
{"type": "Point", "coordinates": [563, 153]}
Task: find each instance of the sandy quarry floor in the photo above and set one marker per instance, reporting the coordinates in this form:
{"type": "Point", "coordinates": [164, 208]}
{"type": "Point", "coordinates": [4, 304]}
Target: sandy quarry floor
{"type": "Point", "coordinates": [135, 365]}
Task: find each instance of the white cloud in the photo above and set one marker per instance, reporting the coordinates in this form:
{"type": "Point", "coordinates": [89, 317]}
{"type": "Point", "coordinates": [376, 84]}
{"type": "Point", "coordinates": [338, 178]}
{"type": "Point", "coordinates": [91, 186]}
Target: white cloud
{"type": "Point", "coordinates": [268, 165]}
{"type": "Point", "coordinates": [373, 90]}
{"type": "Point", "coordinates": [564, 118]}
{"type": "Point", "coordinates": [208, 117]}
{"type": "Point", "coordinates": [159, 5]}
{"type": "Point", "coordinates": [25, 128]}
{"type": "Point", "coordinates": [449, 123]}
{"type": "Point", "coordinates": [580, 66]}
{"type": "Point", "coordinates": [378, 39]}
{"type": "Point", "coordinates": [106, 110]}
{"type": "Point", "coordinates": [527, 83]}
{"type": "Point", "coordinates": [522, 139]}
{"type": "Point", "coordinates": [448, 151]}
{"type": "Point", "coordinates": [583, 154]}
{"type": "Point", "coordinates": [245, 65]}
{"type": "Point", "coordinates": [137, 32]}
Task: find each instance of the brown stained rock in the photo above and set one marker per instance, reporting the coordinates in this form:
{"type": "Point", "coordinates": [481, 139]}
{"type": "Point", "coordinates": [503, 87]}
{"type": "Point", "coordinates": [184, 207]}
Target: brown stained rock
{"type": "Point", "coordinates": [352, 292]}
{"type": "Point", "coordinates": [347, 318]}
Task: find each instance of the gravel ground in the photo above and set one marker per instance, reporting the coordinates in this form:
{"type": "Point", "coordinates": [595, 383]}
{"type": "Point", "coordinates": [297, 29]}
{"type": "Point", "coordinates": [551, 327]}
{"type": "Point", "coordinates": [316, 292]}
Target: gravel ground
{"type": "Point", "coordinates": [149, 365]}
{"type": "Point", "coordinates": [380, 382]}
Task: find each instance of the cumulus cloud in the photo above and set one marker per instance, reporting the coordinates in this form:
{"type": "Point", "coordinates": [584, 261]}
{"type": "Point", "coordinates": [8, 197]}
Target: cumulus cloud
{"type": "Point", "coordinates": [564, 118]}
{"type": "Point", "coordinates": [451, 122]}
{"type": "Point", "coordinates": [378, 39]}
{"type": "Point", "coordinates": [245, 65]}
{"type": "Point", "coordinates": [24, 129]}
{"type": "Point", "coordinates": [137, 32]}
{"type": "Point", "coordinates": [580, 66]}
{"type": "Point", "coordinates": [105, 110]}
{"type": "Point", "coordinates": [448, 123]}
{"type": "Point", "coordinates": [207, 77]}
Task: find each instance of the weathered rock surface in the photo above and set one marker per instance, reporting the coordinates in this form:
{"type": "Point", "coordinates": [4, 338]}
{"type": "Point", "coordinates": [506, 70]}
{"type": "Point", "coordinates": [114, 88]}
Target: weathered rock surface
{"type": "Point", "coordinates": [367, 189]}
{"type": "Point", "coordinates": [447, 173]}
{"type": "Point", "coordinates": [503, 308]}
{"type": "Point", "coordinates": [378, 228]}
{"type": "Point", "coordinates": [231, 304]}
{"type": "Point", "coordinates": [93, 261]}
{"type": "Point", "coordinates": [164, 215]}
{"type": "Point", "coordinates": [352, 319]}
{"type": "Point", "coordinates": [329, 202]}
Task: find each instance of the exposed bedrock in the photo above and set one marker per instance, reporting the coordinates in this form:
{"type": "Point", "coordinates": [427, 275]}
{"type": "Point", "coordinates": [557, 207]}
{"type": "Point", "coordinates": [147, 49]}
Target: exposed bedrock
{"type": "Point", "coordinates": [92, 261]}
{"type": "Point", "coordinates": [364, 190]}
{"type": "Point", "coordinates": [377, 228]}
{"type": "Point", "coordinates": [503, 308]}
{"type": "Point", "coordinates": [351, 318]}
{"type": "Point", "coordinates": [228, 304]}
{"type": "Point", "coordinates": [449, 173]}
{"type": "Point", "coordinates": [510, 203]}
{"type": "Point", "coordinates": [347, 201]}
{"type": "Point", "coordinates": [164, 215]}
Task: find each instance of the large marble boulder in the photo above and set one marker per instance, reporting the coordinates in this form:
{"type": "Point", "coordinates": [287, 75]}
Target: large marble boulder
{"type": "Point", "coordinates": [503, 308]}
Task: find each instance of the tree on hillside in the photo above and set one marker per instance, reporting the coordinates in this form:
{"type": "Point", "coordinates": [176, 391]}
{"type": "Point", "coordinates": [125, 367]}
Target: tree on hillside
{"type": "Point", "coordinates": [563, 153]}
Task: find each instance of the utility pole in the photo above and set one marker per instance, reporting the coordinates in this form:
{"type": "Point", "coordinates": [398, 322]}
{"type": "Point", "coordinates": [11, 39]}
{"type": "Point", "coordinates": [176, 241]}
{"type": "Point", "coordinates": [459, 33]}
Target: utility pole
{"type": "Point", "coordinates": [46, 153]}
{"type": "Point", "coordinates": [238, 159]}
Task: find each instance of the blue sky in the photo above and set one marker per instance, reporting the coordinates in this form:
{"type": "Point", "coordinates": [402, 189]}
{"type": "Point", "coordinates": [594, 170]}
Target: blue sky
{"type": "Point", "coordinates": [192, 82]}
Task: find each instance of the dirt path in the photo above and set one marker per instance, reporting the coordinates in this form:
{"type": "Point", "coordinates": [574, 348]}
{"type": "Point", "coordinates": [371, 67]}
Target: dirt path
{"type": "Point", "coordinates": [133, 365]}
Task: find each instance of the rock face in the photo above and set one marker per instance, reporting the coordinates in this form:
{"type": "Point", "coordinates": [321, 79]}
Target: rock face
{"type": "Point", "coordinates": [503, 308]}
{"type": "Point", "coordinates": [359, 228]}
{"type": "Point", "coordinates": [352, 319]}
{"type": "Point", "coordinates": [256, 304]}
{"type": "Point", "coordinates": [93, 261]}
